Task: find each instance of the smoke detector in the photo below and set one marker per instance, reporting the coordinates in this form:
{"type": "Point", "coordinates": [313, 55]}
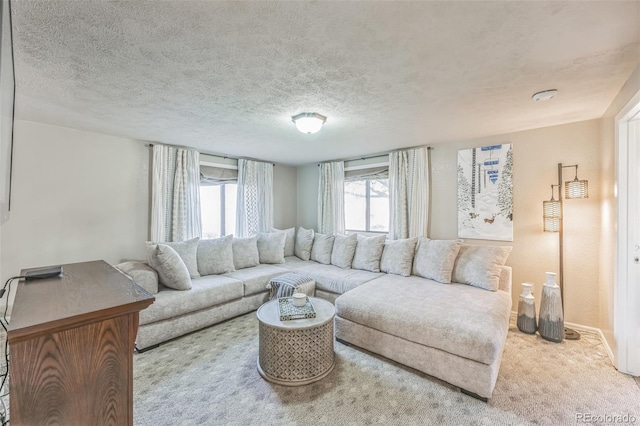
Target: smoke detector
{"type": "Point", "coordinates": [545, 95]}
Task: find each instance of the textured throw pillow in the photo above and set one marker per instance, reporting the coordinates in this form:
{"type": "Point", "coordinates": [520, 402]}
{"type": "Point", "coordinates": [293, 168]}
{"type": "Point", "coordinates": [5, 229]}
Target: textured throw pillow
{"type": "Point", "coordinates": [172, 271]}
{"type": "Point", "coordinates": [368, 253]}
{"type": "Point", "coordinates": [271, 247]}
{"type": "Point", "coordinates": [290, 242]}
{"type": "Point", "coordinates": [304, 242]}
{"type": "Point", "coordinates": [142, 274]}
{"type": "Point", "coordinates": [344, 248]}
{"type": "Point", "coordinates": [434, 259]}
{"type": "Point", "coordinates": [188, 252]}
{"type": "Point", "coordinates": [215, 256]}
{"type": "Point", "coordinates": [322, 248]}
{"type": "Point", "coordinates": [397, 256]}
{"type": "Point", "coordinates": [245, 252]}
{"type": "Point", "coordinates": [480, 266]}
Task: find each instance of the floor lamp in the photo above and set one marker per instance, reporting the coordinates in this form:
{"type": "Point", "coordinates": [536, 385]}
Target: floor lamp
{"type": "Point", "coordinates": [553, 222]}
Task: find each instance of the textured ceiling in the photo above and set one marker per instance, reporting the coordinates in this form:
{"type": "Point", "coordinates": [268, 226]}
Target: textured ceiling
{"type": "Point", "coordinates": [225, 77]}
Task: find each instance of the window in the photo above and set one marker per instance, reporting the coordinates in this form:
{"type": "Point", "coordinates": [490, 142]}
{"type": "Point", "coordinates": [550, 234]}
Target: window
{"type": "Point", "coordinates": [366, 205]}
{"type": "Point", "coordinates": [218, 209]}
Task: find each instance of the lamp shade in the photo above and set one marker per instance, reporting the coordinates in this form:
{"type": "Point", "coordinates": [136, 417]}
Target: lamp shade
{"type": "Point", "coordinates": [552, 214]}
{"type": "Point", "coordinates": [576, 189]}
{"type": "Point", "coordinates": [309, 122]}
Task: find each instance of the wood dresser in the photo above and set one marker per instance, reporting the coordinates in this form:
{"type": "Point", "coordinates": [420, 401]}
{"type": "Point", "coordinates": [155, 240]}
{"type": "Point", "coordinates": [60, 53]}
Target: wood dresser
{"type": "Point", "coordinates": [71, 342]}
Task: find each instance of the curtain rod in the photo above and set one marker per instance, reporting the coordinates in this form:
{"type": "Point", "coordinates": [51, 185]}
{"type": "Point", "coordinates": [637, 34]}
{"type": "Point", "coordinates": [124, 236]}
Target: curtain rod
{"type": "Point", "coordinates": [429, 148]}
{"type": "Point", "coordinates": [224, 157]}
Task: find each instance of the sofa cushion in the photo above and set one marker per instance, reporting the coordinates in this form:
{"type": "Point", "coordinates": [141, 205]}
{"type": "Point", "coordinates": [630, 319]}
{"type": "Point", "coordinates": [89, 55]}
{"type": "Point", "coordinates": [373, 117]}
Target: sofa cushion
{"type": "Point", "coordinates": [480, 266]}
{"type": "Point", "coordinates": [322, 248]}
{"type": "Point", "coordinates": [188, 252]}
{"type": "Point", "coordinates": [255, 279]}
{"type": "Point", "coordinates": [245, 252]}
{"type": "Point", "coordinates": [271, 247]}
{"type": "Point", "coordinates": [368, 253]}
{"type": "Point", "coordinates": [344, 248]}
{"type": "Point", "coordinates": [304, 242]}
{"type": "Point", "coordinates": [172, 271]}
{"type": "Point", "coordinates": [289, 242]}
{"type": "Point", "coordinates": [215, 256]}
{"type": "Point", "coordinates": [334, 279]}
{"type": "Point", "coordinates": [457, 318]}
{"type": "Point", "coordinates": [206, 292]}
{"type": "Point", "coordinates": [142, 274]}
{"type": "Point", "coordinates": [397, 256]}
{"type": "Point", "coordinates": [434, 259]}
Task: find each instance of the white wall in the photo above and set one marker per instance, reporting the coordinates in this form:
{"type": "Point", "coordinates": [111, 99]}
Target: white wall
{"type": "Point", "coordinates": [285, 196]}
{"type": "Point", "coordinates": [308, 196]}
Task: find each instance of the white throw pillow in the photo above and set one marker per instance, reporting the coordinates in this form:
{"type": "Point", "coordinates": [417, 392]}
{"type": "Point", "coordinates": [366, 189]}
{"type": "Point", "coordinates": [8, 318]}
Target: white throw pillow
{"type": "Point", "coordinates": [368, 253]}
{"type": "Point", "coordinates": [290, 242]}
{"type": "Point", "coordinates": [322, 248]}
{"type": "Point", "coordinates": [434, 259]}
{"type": "Point", "coordinates": [142, 274]}
{"type": "Point", "coordinates": [344, 248]}
{"type": "Point", "coordinates": [215, 256]}
{"type": "Point", "coordinates": [271, 247]}
{"type": "Point", "coordinates": [397, 256]}
{"type": "Point", "coordinates": [304, 242]}
{"type": "Point", "coordinates": [172, 271]}
{"type": "Point", "coordinates": [480, 266]}
{"type": "Point", "coordinates": [245, 252]}
{"type": "Point", "coordinates": [188, 252]}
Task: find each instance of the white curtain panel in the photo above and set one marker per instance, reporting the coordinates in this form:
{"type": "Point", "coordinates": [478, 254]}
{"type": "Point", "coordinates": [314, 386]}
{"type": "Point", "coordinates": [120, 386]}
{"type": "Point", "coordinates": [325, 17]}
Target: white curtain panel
{"type": "Point", "coordinates": [254, 210]}
{"type": "Point", "coordinates": [175, 194]}
{"type": "Point", "coordinates": [331, 198]}
{"type": "Point", "coordinates": [408, 193]}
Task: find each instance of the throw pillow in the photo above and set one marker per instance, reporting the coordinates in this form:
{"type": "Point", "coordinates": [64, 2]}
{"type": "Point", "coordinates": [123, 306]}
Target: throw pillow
{"type": "Point", "coordinates": [172, 271]}
{"type": "Point", "coordinates": [344, 248]}
{"type": "Point", "coordinates": [435, 259]}
{"type": "Point", "coordinates": [368, 253]}
{"type": "Point", "coordinates": [397, 256]}
{"type": "Point", "coordinates": [188, 252]}
{"type": "Point", "coordinates": [480, 266]}
{"type": "Point", "coordinates": [322, 248]}
{"type": "Point", "coordinates": [290, 242]}
{"type": "Point", "coordinates": [215, 256]}
{"type": "Point", "coordinates": [304, 242]}
{"type": "Point", "coordinates": [142, 274]}
{"type": "Point", "coordinates": [245, 252]}
{"type": "Point", "coordinates": [271, 247]}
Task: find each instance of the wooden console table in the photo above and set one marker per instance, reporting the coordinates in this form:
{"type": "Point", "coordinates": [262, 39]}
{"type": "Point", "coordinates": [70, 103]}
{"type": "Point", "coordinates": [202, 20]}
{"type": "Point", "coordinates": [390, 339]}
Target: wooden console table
{"type": "Point", "coordinates": [71, 342]}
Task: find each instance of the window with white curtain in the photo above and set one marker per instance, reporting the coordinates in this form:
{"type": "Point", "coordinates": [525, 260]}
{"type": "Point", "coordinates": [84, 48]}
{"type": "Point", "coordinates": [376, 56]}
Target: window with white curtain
{"type": "Point", "coordinates": [366, 197]}
{"type": "Point", "coordinates": [218, 209]}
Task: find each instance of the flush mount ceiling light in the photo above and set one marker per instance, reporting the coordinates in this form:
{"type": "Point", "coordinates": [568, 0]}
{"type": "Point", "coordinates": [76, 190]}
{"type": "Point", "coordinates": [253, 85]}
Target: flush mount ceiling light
{"type": "Point", "coordinates": [309, 122]}
{"type": "Point", "coordinates": [545, 95]}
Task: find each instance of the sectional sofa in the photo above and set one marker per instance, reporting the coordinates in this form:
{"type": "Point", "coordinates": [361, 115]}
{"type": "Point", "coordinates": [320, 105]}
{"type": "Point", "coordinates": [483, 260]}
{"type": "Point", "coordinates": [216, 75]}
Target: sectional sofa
{"type": "Point", "coordinates": [441, 307]}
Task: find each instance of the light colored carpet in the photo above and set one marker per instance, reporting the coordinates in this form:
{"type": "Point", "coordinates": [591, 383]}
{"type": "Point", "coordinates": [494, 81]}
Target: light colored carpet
{"type": "Point", "coordinates": [210, 378]}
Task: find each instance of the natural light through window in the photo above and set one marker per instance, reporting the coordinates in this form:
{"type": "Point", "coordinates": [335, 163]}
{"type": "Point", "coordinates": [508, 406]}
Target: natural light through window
{"type": "Point", "coordinates": [366, 205]}
{"type": "Point", "coordinates": [218, 210]}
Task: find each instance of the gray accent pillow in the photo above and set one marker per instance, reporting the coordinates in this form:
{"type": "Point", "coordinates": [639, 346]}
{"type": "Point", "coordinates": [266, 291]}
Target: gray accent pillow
{"type": "Point", "coordinates": [480, 266]}
{"type": "Point", "coordinates": [172, 272]}
{"type": "Point", "coordinates": [290, 242]}
{"type": "Point", "coordinates": [271, 247]}
{"type": "Point", "coordinates": [322, 248]}
{"type": "Point", "coordinates": [245, 252]}
{"type": "Point", "coordinates": [397, 256]}
{"type": "Point", "coordinates": [344, 248]}
{"type": "Point", "coordinates": [435, 259]}
{"type": "Point", "coordinates": [304, 242]}
{"type": "Point", "coordinates": [368, 253]}
{"type": "Point", "coordinates": [215, 256]}
{"type": "Point", "coordinates": [188, 252]}
{"type": "Point", "coordinates": [142, 274]}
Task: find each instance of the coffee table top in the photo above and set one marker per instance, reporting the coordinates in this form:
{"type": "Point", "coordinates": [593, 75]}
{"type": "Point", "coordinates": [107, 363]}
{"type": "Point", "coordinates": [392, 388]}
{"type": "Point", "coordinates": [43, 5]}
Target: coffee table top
{"type": "Point", "coordinates": [269, 314]}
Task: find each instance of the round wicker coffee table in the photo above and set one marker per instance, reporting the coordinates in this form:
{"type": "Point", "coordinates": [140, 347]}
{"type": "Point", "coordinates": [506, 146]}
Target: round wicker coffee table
{"type": "Point", "coordinates": [296, 352]}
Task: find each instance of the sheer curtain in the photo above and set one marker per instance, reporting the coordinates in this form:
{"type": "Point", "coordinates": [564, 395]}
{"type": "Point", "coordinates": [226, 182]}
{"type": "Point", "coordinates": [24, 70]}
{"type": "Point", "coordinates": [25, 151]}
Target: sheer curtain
{"type": "Point", "coordinates": [254, 212]}
{"type": "Point", "coordinates": [175, 194]}
{"type": "Point", "coordinates": [408, 193]}
{"type": "Point", "coordinates": [331, 198]}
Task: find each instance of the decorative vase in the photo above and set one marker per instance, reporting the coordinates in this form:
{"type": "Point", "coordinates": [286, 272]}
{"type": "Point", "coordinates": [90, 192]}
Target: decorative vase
{"type": "Point", "coordinates": [551, 324]}
{"type": "Point", "coordinates": [527, 310]}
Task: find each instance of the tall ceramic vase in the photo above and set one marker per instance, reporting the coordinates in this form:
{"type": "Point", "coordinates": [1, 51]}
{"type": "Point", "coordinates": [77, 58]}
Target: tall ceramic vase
{"type": "Point", "coordinates": [551, 325]}
{"type": "Point", "coordinates": [527, 310]}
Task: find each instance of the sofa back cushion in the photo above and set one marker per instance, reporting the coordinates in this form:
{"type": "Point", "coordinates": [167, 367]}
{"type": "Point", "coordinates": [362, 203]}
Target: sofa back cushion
{"type": "Point", "coordinates": [172, 272]}
{"type": "Point", "coordinates": [322, 248]}
{"type": "Point", "coordinates": [304, 242]}
{"type": "Point", "coordinates": [434, 259]}
{"type": "Point", "coordinates": [368, 253]}
{"type": "Point", "coordinates": [289, 242]}
{"type": "Point", "coordinates": [188, 252]}
{"type": "Point", "coordinates": [344, 248]}
{"type": "Point", "coordinates": [480, 266]}
{"type": "Point", "coordinates": [245, 252]}
{"type": "Point", "coordinates": [271, 247]}
{"type": "Point", "coordinates": [215, 256]}
{"type": "Point", "coordinates": [397, 256]}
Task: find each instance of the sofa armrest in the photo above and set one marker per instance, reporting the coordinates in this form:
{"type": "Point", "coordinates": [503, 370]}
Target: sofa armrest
{"type": "Point", "coordinates": [505, 279]}
{"type": "Point", "coordinates": [142, 274]}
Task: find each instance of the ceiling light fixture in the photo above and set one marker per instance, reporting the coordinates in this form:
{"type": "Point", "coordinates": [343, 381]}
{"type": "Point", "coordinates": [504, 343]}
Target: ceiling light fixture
{"type": "Point", "coordinates": [309, 122]}
{"type": "Point", "coordinates": [545, 95]}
